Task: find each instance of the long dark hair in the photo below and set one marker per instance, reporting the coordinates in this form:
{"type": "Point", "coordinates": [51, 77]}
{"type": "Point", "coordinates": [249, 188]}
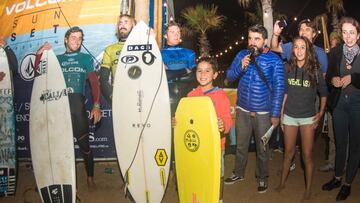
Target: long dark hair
{"type": "Point", "coordinates": [311, 65]}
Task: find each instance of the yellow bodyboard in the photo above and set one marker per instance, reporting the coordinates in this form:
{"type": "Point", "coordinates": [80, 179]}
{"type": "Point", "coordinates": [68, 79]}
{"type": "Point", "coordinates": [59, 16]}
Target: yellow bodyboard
{"type": "Point", "coordinates": [197, 151]}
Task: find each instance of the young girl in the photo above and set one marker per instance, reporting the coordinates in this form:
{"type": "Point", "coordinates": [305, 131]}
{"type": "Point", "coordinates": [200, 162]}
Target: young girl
{"type": "Point", "coordinates": [206, 73]}
{"type": "Point", "coordinates": [304, 80]}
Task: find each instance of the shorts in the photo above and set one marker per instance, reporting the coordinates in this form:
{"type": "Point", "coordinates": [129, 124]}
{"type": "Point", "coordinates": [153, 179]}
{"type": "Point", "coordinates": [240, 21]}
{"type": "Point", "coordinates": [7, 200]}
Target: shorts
{"type": "Point", "coordinates": [288, 120]}
{"type": "Point", "coordinates": [79, 117]}
{"type": "Point", "coordinates": [222, 163]}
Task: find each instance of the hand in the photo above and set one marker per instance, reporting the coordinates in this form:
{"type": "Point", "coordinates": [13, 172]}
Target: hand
{"type": "Point", "coordinates": [336, 82]}
{"type": "Point", "coordinates": [282, 121]}
{"type": "Point", "coordinates": [277, 29]}
{"type": "Point", "coordinates": [96, 114]}
{"type": "Point", "coordinates": [221, 125]}
{"type": "Point", "coordinates": [46, 46]}
{"type": "Point", "coordinates": [346, 80]}
{"type": "Point", "coordinates": [275, 121]}
{"type": "Point", "coordinates": [316, 119]}
{"type": "Point", "coordinates": [2, 43]}
{"type": "Point", "coordinates": [173, 122]}
{"type": "Point", "coordinates": [2, 75]}
{"type": "Point", "coordinates": [245, 62]}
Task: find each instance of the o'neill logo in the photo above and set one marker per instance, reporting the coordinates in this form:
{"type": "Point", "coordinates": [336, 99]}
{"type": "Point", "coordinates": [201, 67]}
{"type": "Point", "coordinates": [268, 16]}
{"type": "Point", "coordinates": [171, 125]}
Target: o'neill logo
{"type": "Point", "coordinates": [49, 95]}
{"type": "Point", "coordinates": [27, 67]}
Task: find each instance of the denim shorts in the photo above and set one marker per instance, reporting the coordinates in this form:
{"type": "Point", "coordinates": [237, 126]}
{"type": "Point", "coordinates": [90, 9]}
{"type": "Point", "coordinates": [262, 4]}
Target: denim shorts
{"type": "Point", "coordinates": [288, 120]}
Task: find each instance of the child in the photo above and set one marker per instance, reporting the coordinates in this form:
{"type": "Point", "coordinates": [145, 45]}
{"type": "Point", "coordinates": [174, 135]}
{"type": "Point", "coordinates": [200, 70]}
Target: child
{"type": "Point", "coordinates": [206, 73]}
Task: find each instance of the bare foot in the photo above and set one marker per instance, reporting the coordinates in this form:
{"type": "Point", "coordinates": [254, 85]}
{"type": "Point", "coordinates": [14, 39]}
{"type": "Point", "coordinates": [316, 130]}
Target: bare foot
{"type": "Point", "coordinates": [279, 188]}
{"type": "Point", "coordinates": [306, 196]}
{"type": "Point", "coordinates": [91, 184]}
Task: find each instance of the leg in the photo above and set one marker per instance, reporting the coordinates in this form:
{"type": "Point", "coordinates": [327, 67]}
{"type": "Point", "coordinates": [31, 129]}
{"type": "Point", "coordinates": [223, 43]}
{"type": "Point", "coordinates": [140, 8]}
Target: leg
{"type": "Point", "coordinates": [262, 124]}
{"type": "Point", "coordinates": [290, 134]}
{"type": "Point", "coordinates": [341, 123]}
{"type": "Point", "coordinates": [222, 175]}
{"type": "Point", "coordinates": [354, 139]}
{"type": "Point", "coordinates": [307, 140]}
{"type": "Point", "coordinates": [243, 133]}
{"type": "Point", "coordinates": [83, 142]}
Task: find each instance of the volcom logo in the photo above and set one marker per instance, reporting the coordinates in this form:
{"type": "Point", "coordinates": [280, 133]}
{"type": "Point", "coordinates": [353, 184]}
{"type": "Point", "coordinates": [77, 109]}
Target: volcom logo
{"type": "Point", "coordinates": [27, 67]}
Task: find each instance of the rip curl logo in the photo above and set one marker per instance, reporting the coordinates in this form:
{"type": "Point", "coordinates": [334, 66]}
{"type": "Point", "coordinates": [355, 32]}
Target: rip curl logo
{"type": "Point", "coordinates": [49, 95]}
{"type": "Point", "coordinates": [27, 67]}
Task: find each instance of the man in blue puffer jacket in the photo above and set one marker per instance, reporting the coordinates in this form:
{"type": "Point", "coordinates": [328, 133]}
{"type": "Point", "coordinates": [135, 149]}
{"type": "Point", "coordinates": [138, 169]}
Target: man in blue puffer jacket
{"type": "Point", "coordinates": [259, 99]}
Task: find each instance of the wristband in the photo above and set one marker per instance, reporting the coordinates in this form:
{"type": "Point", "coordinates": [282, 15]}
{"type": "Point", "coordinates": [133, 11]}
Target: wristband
{"type": "Point", "coordinates": [96, 105]}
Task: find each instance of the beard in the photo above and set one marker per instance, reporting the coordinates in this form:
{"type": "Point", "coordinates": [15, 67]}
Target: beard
{"type": "Point", "coordinates": [257, 51]}
{"type": "Point", "coordinates": [123, 34]}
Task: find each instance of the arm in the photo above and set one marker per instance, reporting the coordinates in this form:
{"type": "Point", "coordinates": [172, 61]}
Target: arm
{"type": "Point", "coordinates": [278, 89]}
{"type": "Point", "coordinates": [106, 88]}
{"type": "Point", "coordinates": [275, 45]}
{"type": "Point", "coordinates": [224, 113]}
{"type": "Point", "coordinates": [236, 69]}
{"type": "Point", "coordinates": [95, 92]}
{"type": "Point", "coordinates": [323, 60]}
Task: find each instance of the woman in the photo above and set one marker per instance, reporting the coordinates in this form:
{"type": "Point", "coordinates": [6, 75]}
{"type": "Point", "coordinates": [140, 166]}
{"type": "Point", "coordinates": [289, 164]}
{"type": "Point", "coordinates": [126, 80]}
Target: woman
{"type": "Point", "coordinates": [304, 81]}
{"type": "Point", "coordinates": [344, 76]}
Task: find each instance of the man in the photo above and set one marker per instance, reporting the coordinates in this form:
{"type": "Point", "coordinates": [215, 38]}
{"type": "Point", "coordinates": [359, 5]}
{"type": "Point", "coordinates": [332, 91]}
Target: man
{"type": "Point", "coordinates": [260, 95]}
{"type": "Point", "coordinates": [306, 29]}
{"type": "Point", "coordinates": [111, 56]}
{"type": "Point", "coordinates": [179, 62]}
{"type": "Point", "coordinates": [77, 67]}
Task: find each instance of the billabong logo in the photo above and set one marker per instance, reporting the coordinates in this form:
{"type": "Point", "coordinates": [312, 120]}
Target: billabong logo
{"type": "Point", "coordinates": [27, 67]}
{"type": "Point", "coordinates": [129, 59]}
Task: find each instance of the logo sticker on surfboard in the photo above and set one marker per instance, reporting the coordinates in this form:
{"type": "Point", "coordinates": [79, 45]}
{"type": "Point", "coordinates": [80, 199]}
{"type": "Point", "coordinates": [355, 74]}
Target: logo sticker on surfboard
{"type": "Point", "coordinates": [191, 140]}
{"type": "Point", "coordinates": [161, 157]}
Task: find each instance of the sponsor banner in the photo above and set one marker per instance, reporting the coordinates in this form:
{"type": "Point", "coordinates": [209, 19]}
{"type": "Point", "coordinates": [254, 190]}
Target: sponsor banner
{"type": "Point", "coordinates": [28, 24]}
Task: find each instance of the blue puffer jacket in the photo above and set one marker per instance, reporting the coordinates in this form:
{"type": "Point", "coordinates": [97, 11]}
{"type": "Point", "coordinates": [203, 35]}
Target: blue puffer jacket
{"type": "Point", "coordinates": [253, 94]}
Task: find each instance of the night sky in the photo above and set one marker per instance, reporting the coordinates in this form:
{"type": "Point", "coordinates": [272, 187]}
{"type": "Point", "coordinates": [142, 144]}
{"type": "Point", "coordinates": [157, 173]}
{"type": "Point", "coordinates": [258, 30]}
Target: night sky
{"type": "Point", "coordinates": [235, 25]}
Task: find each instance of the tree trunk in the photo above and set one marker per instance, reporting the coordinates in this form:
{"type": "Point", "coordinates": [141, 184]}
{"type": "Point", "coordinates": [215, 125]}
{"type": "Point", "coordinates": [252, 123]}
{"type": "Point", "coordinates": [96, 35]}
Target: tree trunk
{"type": "Point", "coordinates": [204, 45]}
{"type": "Point", "coordinates": [142, 8]}
{"type": "Point", "coordinates": [268, 17]}
{"type": "Point", "coordinates": [335, 22]}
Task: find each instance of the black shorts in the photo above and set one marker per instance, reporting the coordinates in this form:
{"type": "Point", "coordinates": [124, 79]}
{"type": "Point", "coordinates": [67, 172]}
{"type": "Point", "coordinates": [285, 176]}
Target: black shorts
{"type": "Point", "coordinates": [79, 117]}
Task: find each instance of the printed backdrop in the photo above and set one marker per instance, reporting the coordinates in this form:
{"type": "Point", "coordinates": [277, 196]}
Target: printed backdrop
{"type": "Point", "coordinates": [26, 25]}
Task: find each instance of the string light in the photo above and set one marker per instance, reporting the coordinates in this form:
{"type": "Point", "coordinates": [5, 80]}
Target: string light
{"type": "Point", "coordinates": [295, 18]}
{"type": "Point", "coordinates": [230, 47]}
{"type": "Point", "coordinates": [165, 5]}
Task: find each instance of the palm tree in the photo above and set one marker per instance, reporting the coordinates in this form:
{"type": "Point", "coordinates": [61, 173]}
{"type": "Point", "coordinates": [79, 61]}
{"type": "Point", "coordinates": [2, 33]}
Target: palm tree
{"type": "Point", "coordinates": [335, 8]}
{"type": "Point", "coordinates": [202, 19]}
{"type": "Point", "coordinates": [267, 11]}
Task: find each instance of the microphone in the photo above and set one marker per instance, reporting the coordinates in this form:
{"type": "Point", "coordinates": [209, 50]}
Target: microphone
{"type": "Point", "coordinates": [251, 53]}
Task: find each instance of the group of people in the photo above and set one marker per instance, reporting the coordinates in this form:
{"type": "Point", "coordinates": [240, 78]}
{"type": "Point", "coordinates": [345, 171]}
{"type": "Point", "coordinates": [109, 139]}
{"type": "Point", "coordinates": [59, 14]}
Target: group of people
{"type": "Point", "coordinates": [270, 92]}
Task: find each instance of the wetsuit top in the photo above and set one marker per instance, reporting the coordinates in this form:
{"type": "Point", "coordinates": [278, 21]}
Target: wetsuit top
{"type": "Point", "coordinates": [111, 57]}
{"type": "Point", "coordinates": [76, 66]}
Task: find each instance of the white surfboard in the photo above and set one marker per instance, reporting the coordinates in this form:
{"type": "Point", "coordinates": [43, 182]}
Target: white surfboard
{"type": "Point", "coordinates": [141, 117]}
{"type": "Point", "coordinates": [51, 137]}
{"type": "Point", "coordinates": [7, 130]}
